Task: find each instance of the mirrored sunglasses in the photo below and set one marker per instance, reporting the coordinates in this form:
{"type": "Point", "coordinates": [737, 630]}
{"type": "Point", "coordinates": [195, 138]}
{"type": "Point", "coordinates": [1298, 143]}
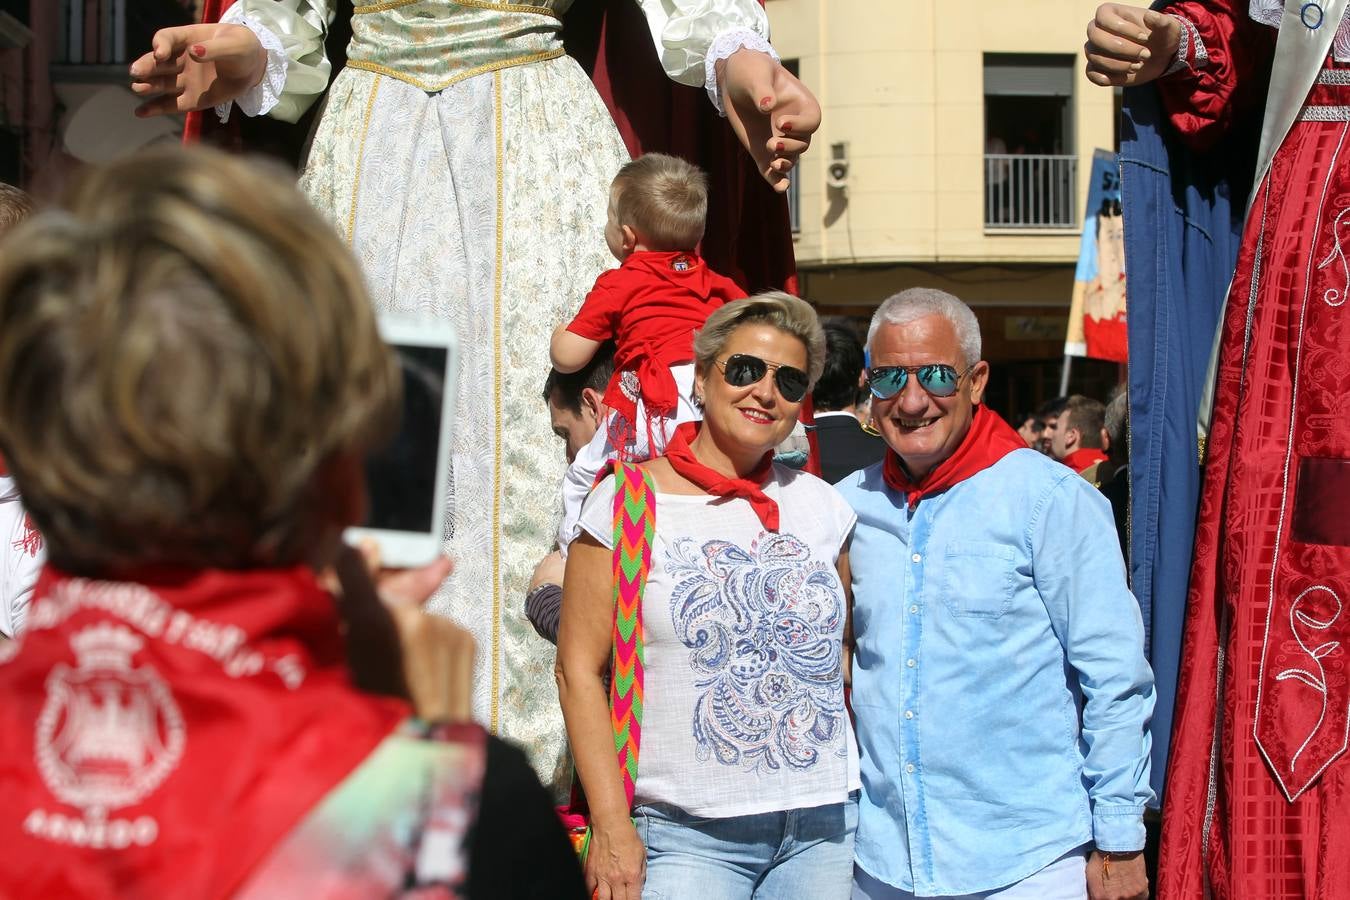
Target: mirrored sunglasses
{"type": "Point", "coordinates": [938, 379]}
{"type": "Point", "coordinates": [743, 370]}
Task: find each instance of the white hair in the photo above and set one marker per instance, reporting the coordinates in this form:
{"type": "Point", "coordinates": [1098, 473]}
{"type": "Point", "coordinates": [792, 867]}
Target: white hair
{"type": "Point", "coordinates": [916, 303]}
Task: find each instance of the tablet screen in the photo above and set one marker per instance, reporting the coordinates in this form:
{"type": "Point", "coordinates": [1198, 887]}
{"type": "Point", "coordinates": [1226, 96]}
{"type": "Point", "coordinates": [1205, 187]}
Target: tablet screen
{"type": "Point", "coordinates": [401, 478]}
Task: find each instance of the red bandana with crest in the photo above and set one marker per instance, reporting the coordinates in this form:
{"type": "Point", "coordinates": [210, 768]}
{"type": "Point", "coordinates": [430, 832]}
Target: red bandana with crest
{"type": "Point", "coordinates": [988, 440]}
{"type": "Point", "coordinates": [159, 738]}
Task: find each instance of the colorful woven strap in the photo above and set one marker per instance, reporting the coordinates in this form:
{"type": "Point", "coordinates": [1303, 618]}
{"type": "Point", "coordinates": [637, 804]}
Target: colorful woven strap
{"type": "Point", "coordinates": [634, 526]}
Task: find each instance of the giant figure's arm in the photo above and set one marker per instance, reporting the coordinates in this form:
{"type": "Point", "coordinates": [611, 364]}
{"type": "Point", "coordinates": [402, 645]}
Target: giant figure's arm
{"type": "Point", "coordinates": [1226, 76]}
{"type": "Point", "coordinates": [300, 26]}
{"type": "Point", "coordinates": [684, 31]}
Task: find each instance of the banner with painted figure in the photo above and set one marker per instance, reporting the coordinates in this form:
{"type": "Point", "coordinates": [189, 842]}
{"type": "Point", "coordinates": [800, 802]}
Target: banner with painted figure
{"type": "Point", "coordinates": [1097, 313]}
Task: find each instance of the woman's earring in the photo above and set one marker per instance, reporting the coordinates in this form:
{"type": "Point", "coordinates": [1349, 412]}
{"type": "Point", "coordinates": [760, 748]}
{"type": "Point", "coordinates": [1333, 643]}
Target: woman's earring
{"type": "Point", "coordinates": [870, 427]}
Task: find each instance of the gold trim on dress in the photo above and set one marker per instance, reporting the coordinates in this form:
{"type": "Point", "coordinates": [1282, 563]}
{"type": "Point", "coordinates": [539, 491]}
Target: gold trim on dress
{"type": "Point", "coordinates": [360, 160]}
{"type": "Point", "coordinates": [497, 407]}
{"type": "Point", "coordinates": [470, 73]}
{"type": "Point", "coordinates": [472, 4]}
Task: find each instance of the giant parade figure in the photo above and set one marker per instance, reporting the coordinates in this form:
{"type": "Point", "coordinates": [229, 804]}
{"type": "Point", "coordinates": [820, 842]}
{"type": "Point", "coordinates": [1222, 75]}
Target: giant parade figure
{"type": "Point", "coordinates": [466, 159]}
{"type": "Point", "coordinates": [1258, 781]}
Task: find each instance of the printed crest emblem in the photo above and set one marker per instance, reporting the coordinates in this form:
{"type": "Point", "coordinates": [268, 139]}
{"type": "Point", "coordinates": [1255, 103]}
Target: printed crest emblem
{"type": "Point", "coordinates": [108, 734]}
{"type": "Point", "coordinates": [629, 385]}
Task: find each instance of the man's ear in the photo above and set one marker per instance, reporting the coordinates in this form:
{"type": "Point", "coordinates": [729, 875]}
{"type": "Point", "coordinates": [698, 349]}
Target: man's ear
{"type": "Point", "coordinates": [979, 380]}
{"type": "Point", "coordinates": [593, 403]}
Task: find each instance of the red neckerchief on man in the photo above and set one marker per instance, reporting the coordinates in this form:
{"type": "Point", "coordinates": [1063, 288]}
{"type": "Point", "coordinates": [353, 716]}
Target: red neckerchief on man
{"type": "Point", "coordinates": [159, 738]}
{"type": "Point", "coordinates": [750, 488]}
{"type": "Point", "coordinates": [1084, 458]}
{"type": "Point", "coordinates": [988, 440]}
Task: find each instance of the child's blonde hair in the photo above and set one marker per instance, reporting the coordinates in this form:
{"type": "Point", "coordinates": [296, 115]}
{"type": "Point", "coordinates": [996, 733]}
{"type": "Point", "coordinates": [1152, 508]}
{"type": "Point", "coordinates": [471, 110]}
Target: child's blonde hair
{"type": "Point", "coordinates": [664, 198]}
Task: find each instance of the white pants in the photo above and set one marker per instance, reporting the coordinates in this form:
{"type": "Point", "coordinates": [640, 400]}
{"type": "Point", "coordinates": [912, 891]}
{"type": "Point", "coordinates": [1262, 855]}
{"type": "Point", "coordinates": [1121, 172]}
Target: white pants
{"type": "Point", "coordinates": [1063, 879]}
{"type": "Point", "coordinates": [593, 457]}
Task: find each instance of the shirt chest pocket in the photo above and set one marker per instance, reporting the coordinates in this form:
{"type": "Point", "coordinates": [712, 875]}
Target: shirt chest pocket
{"type": "Point", "coordinates": [977, 580]}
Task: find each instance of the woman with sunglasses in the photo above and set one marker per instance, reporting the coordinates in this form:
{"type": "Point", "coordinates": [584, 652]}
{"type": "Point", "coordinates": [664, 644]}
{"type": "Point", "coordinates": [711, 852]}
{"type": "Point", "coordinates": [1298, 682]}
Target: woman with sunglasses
{"type": "Point", "coordinates": [747, 760]}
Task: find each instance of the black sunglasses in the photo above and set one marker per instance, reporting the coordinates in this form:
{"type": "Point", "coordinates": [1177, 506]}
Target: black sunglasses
{"type": "Point", "coordinates": [938, 379]}
{"type": "Point", "coordinates": [743, 370]}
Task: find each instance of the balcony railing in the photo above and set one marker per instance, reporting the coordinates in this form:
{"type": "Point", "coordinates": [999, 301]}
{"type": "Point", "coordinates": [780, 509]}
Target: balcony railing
{"type": "Point", "coordinates": [1026, 191]}
{"type": "Point", "coordinates": [92, 32]}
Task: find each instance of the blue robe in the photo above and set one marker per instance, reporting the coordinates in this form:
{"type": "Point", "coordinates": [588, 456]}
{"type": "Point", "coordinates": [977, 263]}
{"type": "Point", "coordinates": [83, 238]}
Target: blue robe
{"type": "Point", "coordinates": [1183, 226]}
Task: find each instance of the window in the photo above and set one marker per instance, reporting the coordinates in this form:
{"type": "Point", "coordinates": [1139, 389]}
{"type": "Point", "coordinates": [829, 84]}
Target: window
{"type": "Point", "coordinates": [1030, 171]}
{"type": "Point", "coordinates": [112, 32]}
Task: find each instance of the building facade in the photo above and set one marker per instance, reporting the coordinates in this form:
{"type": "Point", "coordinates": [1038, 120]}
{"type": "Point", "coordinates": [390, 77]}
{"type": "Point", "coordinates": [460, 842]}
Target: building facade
{"type": "Point", "coordinates": [954, 151]}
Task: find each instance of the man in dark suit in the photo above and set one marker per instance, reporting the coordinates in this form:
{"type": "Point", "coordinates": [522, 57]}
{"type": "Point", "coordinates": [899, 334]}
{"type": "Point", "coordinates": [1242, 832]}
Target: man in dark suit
{"type": "Point", "coordinates": [844, 446]}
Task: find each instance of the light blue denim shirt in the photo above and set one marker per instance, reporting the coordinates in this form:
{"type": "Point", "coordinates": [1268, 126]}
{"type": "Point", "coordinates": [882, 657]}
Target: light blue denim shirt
{"type": "Point", "coordinates": [984, 620]}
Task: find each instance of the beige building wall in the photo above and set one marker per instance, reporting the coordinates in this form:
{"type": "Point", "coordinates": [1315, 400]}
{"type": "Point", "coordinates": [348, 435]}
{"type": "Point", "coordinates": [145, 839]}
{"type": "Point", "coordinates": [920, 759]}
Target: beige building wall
{"type": "Point", "coordinates": [901, 82]}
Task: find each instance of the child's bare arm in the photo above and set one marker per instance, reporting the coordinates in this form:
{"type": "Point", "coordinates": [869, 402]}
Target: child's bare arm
{"type": "Point", "coordinates": [569, 351]}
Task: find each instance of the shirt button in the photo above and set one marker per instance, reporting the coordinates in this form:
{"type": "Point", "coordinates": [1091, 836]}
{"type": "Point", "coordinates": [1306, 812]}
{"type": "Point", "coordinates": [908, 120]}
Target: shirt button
{"type": "Point", "coordinates": [910, 768]}
{"type": "Point", "coordinates": [909, 714]}
{"type": "Point", "coordinates": [916, 558]}
{"type": "Point", "coordinates": [911, 663]}
{"type": "Point", "coordinates": [914, 608]}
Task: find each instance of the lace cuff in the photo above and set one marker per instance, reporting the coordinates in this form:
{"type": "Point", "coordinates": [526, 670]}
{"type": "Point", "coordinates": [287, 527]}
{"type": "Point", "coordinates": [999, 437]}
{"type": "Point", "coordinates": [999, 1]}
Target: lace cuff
{"type": "Point", "coordinates": [259, 99]}
{"type": "Point", "coordinates": [722, 46]}
{"type": "Point", "coordinates": [1191, 52]}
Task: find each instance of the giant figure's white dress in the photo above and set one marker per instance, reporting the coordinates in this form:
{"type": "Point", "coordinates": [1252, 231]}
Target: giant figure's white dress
{"type": "Point", "coordinates": [467, 160]}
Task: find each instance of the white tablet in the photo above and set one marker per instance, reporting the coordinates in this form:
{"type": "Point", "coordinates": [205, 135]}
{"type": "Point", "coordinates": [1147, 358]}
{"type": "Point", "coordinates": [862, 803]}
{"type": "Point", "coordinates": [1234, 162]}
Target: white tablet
{"type": "Point", "coordinates": [408, 478]}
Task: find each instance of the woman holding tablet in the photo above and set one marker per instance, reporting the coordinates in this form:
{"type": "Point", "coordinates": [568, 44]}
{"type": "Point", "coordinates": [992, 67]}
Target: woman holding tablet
{"type": "Point", "coordinates": [190, 378]}
{"type": "Point", "coordinates": [743, 619]}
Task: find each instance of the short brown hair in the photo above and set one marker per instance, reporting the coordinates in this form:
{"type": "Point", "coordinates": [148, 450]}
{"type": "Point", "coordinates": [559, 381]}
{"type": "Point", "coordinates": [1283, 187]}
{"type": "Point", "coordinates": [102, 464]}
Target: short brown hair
{"type": "Point", "coordinates": [664, 198]}
{"type": "Point", "coordinates": [15, 206]}
{"type": "Point", "coordinates": [184, 344]}
{"type": "Point", "coordinates": [1086, 415]}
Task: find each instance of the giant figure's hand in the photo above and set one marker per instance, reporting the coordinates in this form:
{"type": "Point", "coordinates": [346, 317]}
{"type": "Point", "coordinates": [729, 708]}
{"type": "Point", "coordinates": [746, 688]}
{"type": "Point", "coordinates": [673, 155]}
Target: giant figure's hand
{"type": "Point", "coordinates": [194, 67]}
{"type": "Point", "coordinates": [1129, 45]}
{"type": "Point", "coordinates": [772, 112]}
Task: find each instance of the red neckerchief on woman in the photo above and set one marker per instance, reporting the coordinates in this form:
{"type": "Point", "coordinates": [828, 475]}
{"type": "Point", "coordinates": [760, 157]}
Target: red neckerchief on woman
{"type": "Point", "coordinates": [750, 488]}
{"type": "Point", "coordinates": [1085, 458]}
{"type": "Point", "coordinates": [988, 440]}
{"type": "Point", "coordinates": [159, 738]}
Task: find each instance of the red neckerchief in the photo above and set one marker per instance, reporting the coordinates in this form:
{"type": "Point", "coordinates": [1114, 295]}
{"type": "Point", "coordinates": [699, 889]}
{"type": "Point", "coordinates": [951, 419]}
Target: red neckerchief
{"type": "Point", "coordinates": [988, 440]}
{"type": "Point", "coordinates": [1085, 458]}
{"type": "Point", "coordinates": [159, 739]}
{"type": "Point", "coordinates": [750, 488]}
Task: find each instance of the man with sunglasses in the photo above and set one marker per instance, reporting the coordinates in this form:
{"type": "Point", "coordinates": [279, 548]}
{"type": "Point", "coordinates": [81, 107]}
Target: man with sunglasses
{"type": "Point", "coordinates": [1000, 689]}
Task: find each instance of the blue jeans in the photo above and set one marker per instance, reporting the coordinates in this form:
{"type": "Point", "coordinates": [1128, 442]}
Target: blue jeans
{"type": "Point", "coordinates": [797, 853]}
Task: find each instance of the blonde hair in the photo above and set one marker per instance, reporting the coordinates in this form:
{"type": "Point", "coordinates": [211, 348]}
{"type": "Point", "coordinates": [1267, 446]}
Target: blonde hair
{"type": "Point", "coordinates": [664, 198]}
{"type": "Point", "coordinates": [789, 314]}
{"type": "Point", "coordinates": [15, 206]}
{"type": "Point", "coordinates": [184, 344]}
